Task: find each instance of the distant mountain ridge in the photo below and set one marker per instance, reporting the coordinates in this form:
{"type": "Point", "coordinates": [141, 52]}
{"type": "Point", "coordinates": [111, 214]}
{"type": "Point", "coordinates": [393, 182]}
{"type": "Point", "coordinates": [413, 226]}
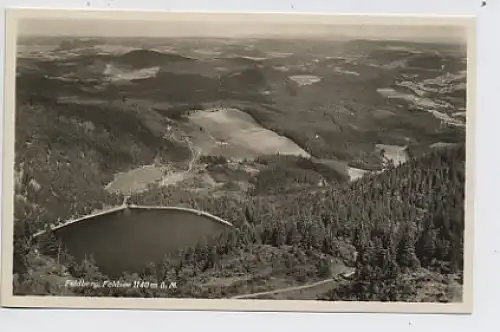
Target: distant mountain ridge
{"type": "Point", "coordinates": [147, 58]}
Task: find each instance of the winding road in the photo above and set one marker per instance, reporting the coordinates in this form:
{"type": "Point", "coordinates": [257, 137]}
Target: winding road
{"type": "Point", "coordinates": [284, 290]}
{"type": "Point", "coordinates": [290, 289]}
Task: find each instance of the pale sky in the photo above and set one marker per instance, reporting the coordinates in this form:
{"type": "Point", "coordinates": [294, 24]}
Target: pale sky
{"type": "Point", "coordinates": [232, 29]}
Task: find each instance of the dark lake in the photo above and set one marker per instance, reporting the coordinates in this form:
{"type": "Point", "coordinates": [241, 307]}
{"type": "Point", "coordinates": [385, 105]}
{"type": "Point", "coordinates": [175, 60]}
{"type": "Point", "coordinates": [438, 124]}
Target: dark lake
{"type": "Point", "coordinates": [127, 240]}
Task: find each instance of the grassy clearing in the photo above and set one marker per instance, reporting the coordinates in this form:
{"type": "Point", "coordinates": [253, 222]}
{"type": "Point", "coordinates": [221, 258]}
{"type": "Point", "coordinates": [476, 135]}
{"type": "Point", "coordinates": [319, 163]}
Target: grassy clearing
{"type": "Point", "coordinates": [235, 135]}
{"type": "Point", "coordinates": [135, 180]}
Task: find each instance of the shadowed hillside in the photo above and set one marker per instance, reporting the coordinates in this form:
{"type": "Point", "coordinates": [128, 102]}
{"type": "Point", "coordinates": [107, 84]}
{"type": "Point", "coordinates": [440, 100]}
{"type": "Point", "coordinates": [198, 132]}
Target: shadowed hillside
{"type": "Point", "coordinates": [74, 151]}
{"type": "Point", "coordinates": [147, 58]}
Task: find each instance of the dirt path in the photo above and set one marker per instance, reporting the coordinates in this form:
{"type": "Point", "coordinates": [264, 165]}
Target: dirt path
{"type": "Point", "coordinates": [284, 290]}
{"type": "Point", "coordinates": [343, 271]}
{"type": "Point", "coordinates": [179, 176]}
{"type": "Point", "coordinates": [194, 155]}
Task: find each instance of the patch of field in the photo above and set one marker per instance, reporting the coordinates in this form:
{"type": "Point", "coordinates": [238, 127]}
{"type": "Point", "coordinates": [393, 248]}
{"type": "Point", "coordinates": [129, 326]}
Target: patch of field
{"type": "Point", "coordinates": [346, 72]}
{"type": "Point", "coordinates": [305, 79]}
{"type": "Point", "coordinates": [447, 119]}
{"type": "Point", "coordinates": [418, 101]}
{"type": "Point", "coordinates": [113, 49]}
{"type": "Point", "coordinates": [236, 135]}
{"type": "Point", "coordinates": [175, 178]}
{"type": "Point", "coordinates": [424, 104]}
{"type": "Point", "coordinates": [135, 180]}
{"type": "Point", "coordinates": [115, 74]}
{"type": "Point", "coordinates": [461, 114]}
{"type": "Point", "coordinates": [208, 52]}
{"type": "Point", "coordinates": [356, 173]}
{"type": "Point", "coordinates": [278, 54]}
{"type": "Point", "coordinates": [281, 68]}
{"type": "Point", "coordinates": [441, 145]}
{"type": "Point", "coordinates": [27, 50]}
{"type": "Point", "coordinates": [391, 93]}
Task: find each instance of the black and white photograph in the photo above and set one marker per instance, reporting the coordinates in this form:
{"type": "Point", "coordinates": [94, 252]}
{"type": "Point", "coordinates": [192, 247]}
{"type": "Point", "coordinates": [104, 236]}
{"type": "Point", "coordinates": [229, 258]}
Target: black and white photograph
{"type": "Point", "coordinates": [237, 161]}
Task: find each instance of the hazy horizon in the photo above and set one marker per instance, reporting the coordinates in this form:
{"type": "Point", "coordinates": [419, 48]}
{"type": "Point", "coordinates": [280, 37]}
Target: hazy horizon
{"type": "Point", "coordinates": [234, 29]}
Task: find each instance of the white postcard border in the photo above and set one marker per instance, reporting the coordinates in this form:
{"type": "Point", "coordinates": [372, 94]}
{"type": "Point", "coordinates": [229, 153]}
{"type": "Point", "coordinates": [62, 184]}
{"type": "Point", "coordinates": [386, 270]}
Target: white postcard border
{"type": "Point", "coordinates": [13, 15]}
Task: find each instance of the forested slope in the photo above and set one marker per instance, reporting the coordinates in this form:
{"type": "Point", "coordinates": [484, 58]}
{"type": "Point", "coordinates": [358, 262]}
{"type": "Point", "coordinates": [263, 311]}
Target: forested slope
{"type": "Point", "coordinates": [405, 221]}
{"type": "Point", "coordinates": [66, 154]}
